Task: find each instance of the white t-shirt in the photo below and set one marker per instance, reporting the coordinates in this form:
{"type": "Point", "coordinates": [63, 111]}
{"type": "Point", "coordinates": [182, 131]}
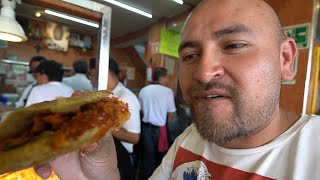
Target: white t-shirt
{"type": "Point", "coordinates": [48, 92]}
{"type": "Point", "coordinates": [24, 96]}
{"type": "Point", "coordinates": [78, 82]}
{"type": "Point", "coordinates": [133, 124]}
{"type": "Point", "coordinates": [295, 154]}
{"type": "Point", "coordinates": [156, 101]}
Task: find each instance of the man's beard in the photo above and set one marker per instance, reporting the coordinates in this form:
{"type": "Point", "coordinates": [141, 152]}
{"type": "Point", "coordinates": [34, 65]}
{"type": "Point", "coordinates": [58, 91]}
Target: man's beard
{"type": "Point", "coordinates": [247, 116]}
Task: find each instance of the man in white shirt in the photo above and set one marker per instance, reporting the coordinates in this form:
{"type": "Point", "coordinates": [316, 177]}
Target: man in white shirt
{"type": "Point", "coordinates": [129, 133]}
{"type": "Point", "coordinates": [79, 81]}
{"type": "Point", "coordinates": [34, 62]}
{"type": "Point", "coordinates": [158, 106]}
{"type": "Point", "coordinates": [49, 76]}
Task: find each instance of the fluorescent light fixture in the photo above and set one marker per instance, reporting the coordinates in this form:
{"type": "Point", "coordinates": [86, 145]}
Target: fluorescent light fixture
{"type": "Point", "coordinates": [71, 18]}
{"type": "Point", "coordinates": [179, 1]}
{"type": "Point", "coordinates": [130, 8]}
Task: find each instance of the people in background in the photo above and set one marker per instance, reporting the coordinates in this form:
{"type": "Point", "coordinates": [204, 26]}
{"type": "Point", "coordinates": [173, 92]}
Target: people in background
{"type": "Point", "coordinates": [158, 107]}
{"type": "Point", "coordinates": [34, 62]}
{"type": "Point", "coordinates": [79, 80]}
{"type": "Point", "coordinates": [49, 86]}
{"type": "Point", "coordinates": [129, 133]}
{"type": "Point", "coordinates": [232, 58]}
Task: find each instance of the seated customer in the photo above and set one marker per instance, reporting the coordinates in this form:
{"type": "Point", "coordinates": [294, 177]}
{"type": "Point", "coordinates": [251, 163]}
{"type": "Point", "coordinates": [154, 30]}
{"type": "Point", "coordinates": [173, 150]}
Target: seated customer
{"type": "Point", "coordinates": [49, 76]}
{"type": "Point", "coordinates": [34, 62]}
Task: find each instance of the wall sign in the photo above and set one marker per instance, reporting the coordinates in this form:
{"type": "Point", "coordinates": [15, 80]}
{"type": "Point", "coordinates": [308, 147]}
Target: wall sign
{"type": "Point", "coordinates": [169, 42]}
{"type": "Point", "coordinates": [300, 33]}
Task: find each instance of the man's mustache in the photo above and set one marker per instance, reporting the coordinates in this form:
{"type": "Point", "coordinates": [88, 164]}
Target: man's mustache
{"type": "Point", "coordinates": [214, 85]}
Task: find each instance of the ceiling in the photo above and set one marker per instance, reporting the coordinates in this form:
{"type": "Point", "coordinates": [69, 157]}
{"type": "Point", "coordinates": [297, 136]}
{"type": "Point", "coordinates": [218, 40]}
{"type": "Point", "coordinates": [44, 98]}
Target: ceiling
{"type": "Point", "coordinates": [122, 20]}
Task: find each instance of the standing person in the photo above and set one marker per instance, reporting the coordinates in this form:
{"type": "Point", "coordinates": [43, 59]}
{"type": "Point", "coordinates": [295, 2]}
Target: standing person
{"type": "Point", "coordinates": [79, 80]}
{"type": "Point", "coordinates": [129, 133]}
{"type": "Point", "coordinates": [233, 56]}
{"type": "Point", "coordinates": [34, 62]}
{"type": "Point", "coordinates": [49, 86]}
{"type": "Point", "coordinates": [157, 102]}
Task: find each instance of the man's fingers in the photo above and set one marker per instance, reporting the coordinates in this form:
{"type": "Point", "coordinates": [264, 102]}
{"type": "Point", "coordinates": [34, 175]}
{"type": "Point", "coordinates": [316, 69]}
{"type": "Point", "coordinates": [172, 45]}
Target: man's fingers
{"type": "Point", "coordinates": [103, 149]}
{"type": "Point", "coordinates": [44, 170]}
{"type": "Point", "coordinates": [99, 158]}
{"type": "Point", "coordinates": [89, 149]}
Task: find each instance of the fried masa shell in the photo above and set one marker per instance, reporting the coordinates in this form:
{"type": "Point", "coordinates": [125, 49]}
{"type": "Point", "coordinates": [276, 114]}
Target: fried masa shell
{"type": "Point", "coordinates": [46, 146]}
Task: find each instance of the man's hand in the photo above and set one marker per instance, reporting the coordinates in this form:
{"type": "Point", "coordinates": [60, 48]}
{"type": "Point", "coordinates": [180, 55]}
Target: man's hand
{"type": "Point", "coordinates": [96, 161]}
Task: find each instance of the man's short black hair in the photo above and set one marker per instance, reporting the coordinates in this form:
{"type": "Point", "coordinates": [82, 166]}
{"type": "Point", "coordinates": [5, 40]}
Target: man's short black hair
{"type": "Point", "coordinates": [113, 66]}
{"type": "Point", "coordinates": [158, 73]}
{"type": "Point", "coordinates": [52, 69]}
{"type": "Point", "coordinates": [36, 59]}
{"type": "Point", "coordinates": [80, 66]}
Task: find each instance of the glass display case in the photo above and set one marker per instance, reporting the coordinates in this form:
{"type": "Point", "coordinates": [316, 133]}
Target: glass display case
{"type": "Point", "coordinates": [14, 78]}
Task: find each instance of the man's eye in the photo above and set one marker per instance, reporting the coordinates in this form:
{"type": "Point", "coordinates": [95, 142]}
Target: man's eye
{"type": "Point", "coordinates": [190, 57]}
{"type": "Point", "coordinates": [235, 46]}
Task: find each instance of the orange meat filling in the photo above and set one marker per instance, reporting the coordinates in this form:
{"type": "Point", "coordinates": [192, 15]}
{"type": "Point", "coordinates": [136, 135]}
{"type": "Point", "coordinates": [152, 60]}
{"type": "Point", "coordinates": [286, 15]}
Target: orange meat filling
{"type": "Point", "coordinates": [104, 114]}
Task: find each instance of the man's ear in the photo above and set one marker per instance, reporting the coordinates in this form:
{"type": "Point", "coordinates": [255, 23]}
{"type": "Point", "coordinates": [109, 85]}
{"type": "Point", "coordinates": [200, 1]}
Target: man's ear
{"type": "Point", "coordinates": [288, 54]}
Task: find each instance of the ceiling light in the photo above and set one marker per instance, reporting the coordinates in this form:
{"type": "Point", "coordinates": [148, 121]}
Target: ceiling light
{"type": "Point", "coordinates": [72, 18]}
{"type": "Point", "coordinates": [130, 8]}
{"type": "Point", "coordinates": [179, 1]}
{"type": "Point", "coordinates": [10, 29]}
{"type": "Point", "coordinates": [37, 14]}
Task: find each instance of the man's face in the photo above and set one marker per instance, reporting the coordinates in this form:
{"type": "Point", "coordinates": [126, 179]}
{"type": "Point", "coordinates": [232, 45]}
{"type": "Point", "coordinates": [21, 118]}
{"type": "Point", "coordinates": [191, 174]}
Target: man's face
{"type": "Point", "coordinates": [229, 69]}
{"type": "Point", "coordinates": [33, 66]}
{"type": "Point", "coordinates": [41, 78]}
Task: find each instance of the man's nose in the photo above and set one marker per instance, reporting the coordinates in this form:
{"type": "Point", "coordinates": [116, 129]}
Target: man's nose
{"type": "Point", "coordinates": [209, 69]}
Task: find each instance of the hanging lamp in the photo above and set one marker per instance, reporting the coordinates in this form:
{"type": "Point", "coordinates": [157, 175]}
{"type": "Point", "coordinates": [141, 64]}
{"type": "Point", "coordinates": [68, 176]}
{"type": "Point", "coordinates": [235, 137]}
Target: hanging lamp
{"type": "Point", "coordinates": [10, 29]}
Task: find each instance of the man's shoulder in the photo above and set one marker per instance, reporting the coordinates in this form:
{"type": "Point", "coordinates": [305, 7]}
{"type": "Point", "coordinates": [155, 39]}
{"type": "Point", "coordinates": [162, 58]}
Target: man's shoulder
{"type": "Point", "coordinates": [126, 93]}
{"type": "Point", "coordinates": [80, 76]}
{"type": "Point", "coordinates": [67, 79]}
{"type": "Point", "coordinates": [157, 87]}
{"type": "Point", "coordinates": [41, 86]}
{"type": "Point", "coordinates": [65, 86]}
{"type": "Point", "coordinates": [29, 87]}
{"type": "Point", "coordinates": [146, 87]}
{"type": "Point", "coordinates": [312, 119]}
{"type": "Point", "coordinates": [53, 86]}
